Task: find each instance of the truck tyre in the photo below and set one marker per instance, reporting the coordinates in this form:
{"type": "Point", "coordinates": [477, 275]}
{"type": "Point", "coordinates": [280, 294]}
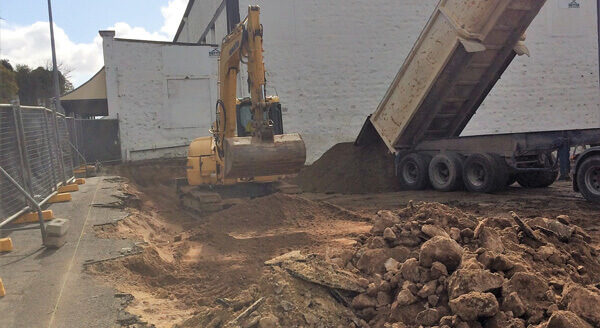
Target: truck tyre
{"type": "Point", "coordinates": [480, 173]}
{"type": "Point", "coordinates": [588, 178]}
{"type": "Point", "coordinates": [413, 171]}
{"type": "Point", "coordinates": [502, 174]}
{"type": "Point", "coordinates": [445, 171]}
{"type": "Point", "coordinates": [537, 179]}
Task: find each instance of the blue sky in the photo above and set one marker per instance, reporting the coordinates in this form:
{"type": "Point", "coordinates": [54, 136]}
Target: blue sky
{"type": "Point", "coordinates": [82, 19]}
{"type": "Point", "coordinates": [24, 32]}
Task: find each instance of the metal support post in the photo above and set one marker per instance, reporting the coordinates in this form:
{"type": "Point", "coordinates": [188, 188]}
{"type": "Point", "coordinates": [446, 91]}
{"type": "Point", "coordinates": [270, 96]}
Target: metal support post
{"type": "Point", "coordinates": [59, 152]}
{"type": "Point", "coordinates": [34, 204]}
{"type": "Point", "coordinates": [22, 143]}
{"type": "Point", "coordinates": [50, 152]}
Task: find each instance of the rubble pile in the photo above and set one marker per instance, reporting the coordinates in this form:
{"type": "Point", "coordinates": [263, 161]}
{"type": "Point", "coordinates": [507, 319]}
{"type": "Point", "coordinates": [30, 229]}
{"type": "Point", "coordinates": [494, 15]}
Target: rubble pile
{"type": "Point", "coordinates": [430, 265]}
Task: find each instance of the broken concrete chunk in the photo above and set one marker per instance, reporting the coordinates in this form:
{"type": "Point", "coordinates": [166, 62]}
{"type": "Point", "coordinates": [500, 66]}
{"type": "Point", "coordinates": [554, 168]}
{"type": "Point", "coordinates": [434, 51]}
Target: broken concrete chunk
{"type": "Point", "coordinates": [433, 231]}
{"type": "Point", "coordinates": [585, 302]}
{"type": "Point", "coordinates": [566, 319]}
{"type": "Point", "coordinates": [428, 317]}
{"type": "Point", "coordinates": [443, 250]}
{"type": "Point", "coordinates": [475, 305]}
{"type": "Point", "coordinates": [410, 270]}
{"type": "Point", "coordinates": [512, 302]}
{"type": "Point", "coordinates": [464, 281]}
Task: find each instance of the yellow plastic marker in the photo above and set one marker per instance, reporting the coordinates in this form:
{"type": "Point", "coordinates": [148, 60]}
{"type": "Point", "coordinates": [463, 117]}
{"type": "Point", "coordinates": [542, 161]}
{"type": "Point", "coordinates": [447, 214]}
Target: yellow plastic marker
{"type": "Point", "coordinates": [60, 198]}
{"type": "Point", "coordinates": [68, 188]}
{"type": "Point", "coordinates": [80, 181]}
{"type": "Point", "coordinates": [6, 245]}
{"type": "Point", "coordinates": [2, 291]}
{"type": "Point", "coordinates": [33, 217]}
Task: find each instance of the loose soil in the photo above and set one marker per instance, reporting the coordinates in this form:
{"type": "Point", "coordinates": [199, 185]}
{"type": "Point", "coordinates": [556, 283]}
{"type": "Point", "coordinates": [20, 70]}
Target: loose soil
{"type": "Point", "coordinates": [349, 169]}
{"type": "Point", "coordinates": [189, 262]}
{"type": "Point", "coordinates": [197, 268]}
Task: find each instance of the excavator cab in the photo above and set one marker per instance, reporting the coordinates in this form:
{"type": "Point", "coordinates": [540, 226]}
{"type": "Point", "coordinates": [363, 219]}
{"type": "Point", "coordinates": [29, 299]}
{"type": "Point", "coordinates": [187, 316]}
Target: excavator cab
{"type": "Point", "coordinates": [244, 116]}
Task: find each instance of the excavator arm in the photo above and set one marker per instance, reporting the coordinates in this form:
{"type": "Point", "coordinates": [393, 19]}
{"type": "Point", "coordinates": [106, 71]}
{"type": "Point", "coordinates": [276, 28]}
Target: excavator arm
{"type": "Point", "coordinates": [262, 154]}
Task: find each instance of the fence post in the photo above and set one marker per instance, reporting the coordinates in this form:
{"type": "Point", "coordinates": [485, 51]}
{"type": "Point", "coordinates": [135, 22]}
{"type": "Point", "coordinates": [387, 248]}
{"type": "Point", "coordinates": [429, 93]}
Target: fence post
{"type": "Point", "coordinates": [59, 152]}
{"type": "Point", "coordinates": [22, 144]}
{"type": "Point", "coordinates": [51, 153]}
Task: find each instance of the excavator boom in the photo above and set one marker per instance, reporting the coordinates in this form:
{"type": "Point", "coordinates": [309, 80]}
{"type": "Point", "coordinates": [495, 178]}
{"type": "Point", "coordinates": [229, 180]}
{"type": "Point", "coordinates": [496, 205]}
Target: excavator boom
{"type": "Point", "coordinates": [263, 153]}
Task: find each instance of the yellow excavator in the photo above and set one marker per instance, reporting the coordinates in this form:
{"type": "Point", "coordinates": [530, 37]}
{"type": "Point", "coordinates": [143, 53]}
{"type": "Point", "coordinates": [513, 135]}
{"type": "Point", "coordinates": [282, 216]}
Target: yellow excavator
{"type": "Point", "coordinates": [248, 152]}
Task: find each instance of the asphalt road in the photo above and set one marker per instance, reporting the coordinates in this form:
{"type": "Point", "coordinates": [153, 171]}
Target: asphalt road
{"type": "Point", "coordinates": [49, 288]}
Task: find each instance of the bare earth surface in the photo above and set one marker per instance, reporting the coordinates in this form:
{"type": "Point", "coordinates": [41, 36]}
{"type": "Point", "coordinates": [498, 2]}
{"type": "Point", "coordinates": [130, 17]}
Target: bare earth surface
{"type": "Point", "coordinates": [209, 269]}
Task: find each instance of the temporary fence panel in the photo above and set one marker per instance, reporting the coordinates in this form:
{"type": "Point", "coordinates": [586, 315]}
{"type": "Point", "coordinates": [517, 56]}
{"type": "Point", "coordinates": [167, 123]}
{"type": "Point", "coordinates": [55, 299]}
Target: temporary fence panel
{"type": "Point", "coordinates": [33, 157]}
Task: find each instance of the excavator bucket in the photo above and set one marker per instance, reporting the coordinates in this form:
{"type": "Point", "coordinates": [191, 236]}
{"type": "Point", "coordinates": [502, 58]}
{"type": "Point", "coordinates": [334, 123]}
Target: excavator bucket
{"type": "Point", "coordinates": [246, 158]}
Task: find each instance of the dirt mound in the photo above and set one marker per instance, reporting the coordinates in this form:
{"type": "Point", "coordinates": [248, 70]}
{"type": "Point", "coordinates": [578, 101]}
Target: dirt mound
{"type": "Point", "coordinates": [348, 169]}
{"type": "Point", "coordinates": [280, 300]}
{"type": "Point", "coordinates": [431, 265]}
{"type": "Point", "coordinates": [150, 172]}
{"type": "Point", "coordinates": [191, 262]}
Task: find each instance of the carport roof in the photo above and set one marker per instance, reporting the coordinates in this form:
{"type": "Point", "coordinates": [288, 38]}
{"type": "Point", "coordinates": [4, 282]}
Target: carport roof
{"type": "Point", "coordinates": [89, 99]}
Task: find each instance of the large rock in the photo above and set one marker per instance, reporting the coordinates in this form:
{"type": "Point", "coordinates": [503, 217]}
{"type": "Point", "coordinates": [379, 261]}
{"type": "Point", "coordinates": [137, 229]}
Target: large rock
{"type": "Point", "coordinates": [428, 317]}
{"type": "Point", "coordinates": [433, 231]}
{"type": "Point", "coordinates": [475, 305]}
{"type": "Point", "coordinates": [406, 313]}
{"type": "Point", "coordinates": [410, 270]}
{"type": "Point", "coordinates": [384, 219]}
{"type": "Point", "coordinates": [490, 240]}
{"type": "Point", "coordinates": [566, 319]}
{"type": "Point", "coordinates": [512, 302]}
{"type": "Point", "coordinates": [443, 250]}
{"type": "Point", "coordinates": [531, 289]}
{"type": "Point", "coordinates": [405, 297]}
{"type": "Point", "coordinates": [372, 261]}
{"type": "Point", "coordinates": [583, 302]}
{"type": "Point", "coordinates": [463, 281]}
{"type": "Point", "coordinates": [363, 301]}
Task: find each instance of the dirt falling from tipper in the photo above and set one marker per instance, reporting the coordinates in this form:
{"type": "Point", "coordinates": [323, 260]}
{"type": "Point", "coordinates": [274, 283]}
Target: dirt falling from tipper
{"type": "Point", "coordinates": [349, 169]}
{"type": "Point", "coordinates": [188, 262]}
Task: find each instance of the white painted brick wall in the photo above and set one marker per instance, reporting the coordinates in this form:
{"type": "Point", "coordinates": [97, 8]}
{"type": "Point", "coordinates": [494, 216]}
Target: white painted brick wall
{"type": "Point", "coordinates": [332, 61]}
{"type": "Point", "coordinates": [141, 87]}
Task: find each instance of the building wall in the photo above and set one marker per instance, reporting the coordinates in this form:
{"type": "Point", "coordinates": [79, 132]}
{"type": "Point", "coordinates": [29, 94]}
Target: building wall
{"type": "Point", "coordinates": [331, 62]}
{"type": "Point", "coordinates": [163, 95]}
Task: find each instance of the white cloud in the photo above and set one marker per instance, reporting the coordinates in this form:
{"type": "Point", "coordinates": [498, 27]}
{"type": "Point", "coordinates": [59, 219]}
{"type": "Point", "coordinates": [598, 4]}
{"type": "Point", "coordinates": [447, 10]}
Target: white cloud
{"type": "Point", "coordinates": [172, 14]}
{"type": "Point", "coordinates": [30, 45]}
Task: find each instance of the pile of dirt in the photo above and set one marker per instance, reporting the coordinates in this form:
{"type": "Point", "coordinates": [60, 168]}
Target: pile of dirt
{"type": "Point", "coordinates": [349, 169]}
{"type": "Point", "coordinates": [432, 265]}
{"type": "Point", "coordinates": [190, 262]}
{"type": "Point", "coordinates": [278, 300]}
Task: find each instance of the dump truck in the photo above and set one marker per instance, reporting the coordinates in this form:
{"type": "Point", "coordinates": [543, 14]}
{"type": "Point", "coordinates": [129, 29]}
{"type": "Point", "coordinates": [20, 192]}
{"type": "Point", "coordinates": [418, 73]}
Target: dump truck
{"type": "Point", "coordinates": [247, 152]}
{"type": "Point", "coordinates": [463, 51]}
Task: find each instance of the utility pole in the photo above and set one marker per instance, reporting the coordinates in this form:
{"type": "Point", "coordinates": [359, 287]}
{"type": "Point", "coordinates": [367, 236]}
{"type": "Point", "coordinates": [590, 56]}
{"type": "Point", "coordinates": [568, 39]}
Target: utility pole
{"type": "Point", "coordinates": [56, 106]}
{"type": "Point", "coordinates": [54, 65]}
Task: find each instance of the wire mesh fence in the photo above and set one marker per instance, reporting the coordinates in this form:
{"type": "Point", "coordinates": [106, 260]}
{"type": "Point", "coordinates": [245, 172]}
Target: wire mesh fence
{"type": "Point", "coordinates": [37, 153]}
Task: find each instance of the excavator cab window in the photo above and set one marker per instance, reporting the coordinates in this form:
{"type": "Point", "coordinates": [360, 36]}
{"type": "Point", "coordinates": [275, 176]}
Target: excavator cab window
{"type": "Point", "coordinates": [244, 119]}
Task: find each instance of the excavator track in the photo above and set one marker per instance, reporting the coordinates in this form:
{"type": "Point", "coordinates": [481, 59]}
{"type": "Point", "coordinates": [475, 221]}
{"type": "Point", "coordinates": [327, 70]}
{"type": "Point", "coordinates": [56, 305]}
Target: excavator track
{"type": "Point", "coordinates": [205, 200]}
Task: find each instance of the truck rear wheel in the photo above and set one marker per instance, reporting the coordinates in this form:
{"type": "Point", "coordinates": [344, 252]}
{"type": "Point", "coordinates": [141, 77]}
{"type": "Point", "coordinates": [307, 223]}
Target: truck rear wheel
{"type": "Point", "coordinates": [481, 173]}
{"type": "Point", "coordinates": [588, 178]}
{"type": "Point", "coordinates": [445, 171]}
{"type": "Point", "coordinates": [537, 179]}
{"type": "Point", "coordinates": [413, 171]}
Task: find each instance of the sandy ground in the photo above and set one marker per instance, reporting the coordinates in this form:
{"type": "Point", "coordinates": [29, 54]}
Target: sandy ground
{"type": "Point", "coordinates": [188, 263]}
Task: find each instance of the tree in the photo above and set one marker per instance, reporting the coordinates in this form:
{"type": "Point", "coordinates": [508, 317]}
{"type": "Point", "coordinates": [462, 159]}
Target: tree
{"type": "Point", "coordinates": [8, 82]}
{"type": "Point", "coordinates": [36, 85]}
